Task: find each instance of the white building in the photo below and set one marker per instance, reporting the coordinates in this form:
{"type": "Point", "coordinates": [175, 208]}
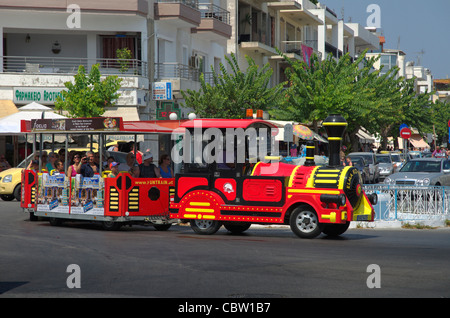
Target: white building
{"type": "Point", "coordinates": [295, 28]}
{"type": "Point", "coordinates": [44, 43]}
{"type": "Point", "coordinates": [190, 36]}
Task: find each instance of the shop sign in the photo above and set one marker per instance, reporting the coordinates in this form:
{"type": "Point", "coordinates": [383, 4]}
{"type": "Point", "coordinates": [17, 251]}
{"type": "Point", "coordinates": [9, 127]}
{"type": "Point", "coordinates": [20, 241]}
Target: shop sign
{"type": "Point", "coordinates": [77, 124]}
{"type": "Point", "coordinates": [41, 95]}
{"type": "Point", "coordinates": [162, 91]}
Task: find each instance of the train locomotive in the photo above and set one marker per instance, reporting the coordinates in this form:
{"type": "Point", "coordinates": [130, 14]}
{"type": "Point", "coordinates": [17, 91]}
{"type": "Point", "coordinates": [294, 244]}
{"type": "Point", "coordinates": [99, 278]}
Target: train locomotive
{"type": "Point", "coordinates": [311, 199]}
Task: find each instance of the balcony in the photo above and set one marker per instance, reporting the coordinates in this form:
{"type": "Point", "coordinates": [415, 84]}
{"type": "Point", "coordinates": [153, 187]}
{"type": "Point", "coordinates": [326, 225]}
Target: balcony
{"type": "Point", "coordinates": [68, 65]}
{"type": "Point", "coordinates": [118, 6]}
{"type": "Point", "coordinates": [294, 50]}
{"type": "Point", "coordinates": [179, 13]}
{"type": "Point", "coordinates": [294, 11]}
{"type": "Point", "coordinates": [182, 76]}
{"type": "Point", "coordinates": [331, 49]}
{"type": "Point", "coordinates": [214, 21]}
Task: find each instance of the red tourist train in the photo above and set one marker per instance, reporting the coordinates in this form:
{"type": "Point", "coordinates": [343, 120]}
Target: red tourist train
{"type": "Point", "coordinates": [225, 179]}
{"type": "Point", "coordinates": [311, 199]}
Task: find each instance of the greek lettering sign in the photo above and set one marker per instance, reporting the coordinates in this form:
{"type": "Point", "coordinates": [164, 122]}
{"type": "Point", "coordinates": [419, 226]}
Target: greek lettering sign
{"type": "Point", "coordinates": [41, 95]}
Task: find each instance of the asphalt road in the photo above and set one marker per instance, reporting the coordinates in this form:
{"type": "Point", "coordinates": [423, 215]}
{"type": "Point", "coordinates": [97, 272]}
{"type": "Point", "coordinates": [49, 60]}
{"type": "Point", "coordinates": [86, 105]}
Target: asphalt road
{"type": "Point", "coordinates": [261, 263]}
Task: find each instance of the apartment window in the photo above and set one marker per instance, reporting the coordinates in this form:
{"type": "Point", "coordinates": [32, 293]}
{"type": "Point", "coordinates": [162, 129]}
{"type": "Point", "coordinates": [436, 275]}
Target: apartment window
{"type": "Point", "coordinates": [110, 44]}
{"type": "Point", "coordinates": [388, 62]}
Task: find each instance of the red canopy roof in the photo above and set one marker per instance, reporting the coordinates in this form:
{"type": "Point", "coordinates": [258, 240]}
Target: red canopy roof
{"type": "Point", "coordinates": [225, 123]}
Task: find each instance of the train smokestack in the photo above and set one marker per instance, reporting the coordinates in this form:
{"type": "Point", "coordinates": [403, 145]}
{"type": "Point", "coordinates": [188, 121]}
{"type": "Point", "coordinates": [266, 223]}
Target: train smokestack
{"type": "Point", "coordinates": [335, 126]}
{"type": "Point", "coordinates": [310, 149]}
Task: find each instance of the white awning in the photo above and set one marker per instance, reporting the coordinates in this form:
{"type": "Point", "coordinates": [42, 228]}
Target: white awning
{"type": "Point", "coordinates": [365, 137]}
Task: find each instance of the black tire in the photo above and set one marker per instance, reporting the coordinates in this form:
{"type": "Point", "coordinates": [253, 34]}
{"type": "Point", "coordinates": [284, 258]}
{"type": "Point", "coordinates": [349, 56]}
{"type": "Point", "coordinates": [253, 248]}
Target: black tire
{"type": "Point", "coordinates": [304, 222]}
{"type": "Point", "coordinates": [205, 227]}
{"type": "Point", "coordinates": [33, 217]}
{"type": "Point", "coordinates": [17, 192]}
{"type": "Point", "coordinates": [55, 221]}
{"type": "Point", "coordinates": [162, 227]}
{"type": "Point", "coordinates": [7, 197]}
{"type": "Point", "coordinates": [237, 227]}
{"type": "Point", "coordinates": [335, 229]}
{"type": "Point", "coordinates": [111, 225]}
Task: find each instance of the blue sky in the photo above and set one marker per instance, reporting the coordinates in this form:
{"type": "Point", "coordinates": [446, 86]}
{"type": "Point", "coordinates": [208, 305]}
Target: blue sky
{"type": "Point", "coordinates": [420, 25]}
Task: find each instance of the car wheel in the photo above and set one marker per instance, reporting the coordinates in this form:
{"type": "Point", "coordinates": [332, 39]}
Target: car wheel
{"type": "Point", "coordinates": [7, 197]}
{"type": "Point", "coordinates": [17, 192]}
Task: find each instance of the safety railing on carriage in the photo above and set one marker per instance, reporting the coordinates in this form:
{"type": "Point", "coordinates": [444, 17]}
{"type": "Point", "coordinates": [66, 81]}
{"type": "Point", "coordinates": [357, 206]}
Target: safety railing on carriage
{"type": "Point", "coordinates": [410, 203]}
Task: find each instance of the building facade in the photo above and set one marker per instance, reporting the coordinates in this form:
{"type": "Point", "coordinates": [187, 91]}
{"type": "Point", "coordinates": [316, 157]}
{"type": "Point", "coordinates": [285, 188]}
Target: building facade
{"type": "Point", "coordinates": [43, 44]}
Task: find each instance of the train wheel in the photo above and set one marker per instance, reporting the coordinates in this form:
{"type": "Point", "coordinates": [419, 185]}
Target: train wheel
{"type": "Point", "coordinates": [162, 227]}
{"type": "Point", "coordinates": [237, 227]}
{"type": "Point", "coordinates": [305, 223]}
{"type": "Point", "coordinates": [335, 229]}
{"type": "Point", "coordinates": [55, 221]}
{"type": "Point", "coordinates": [111, 225]}
{"type": "Point", "coordinates": [205, 227]}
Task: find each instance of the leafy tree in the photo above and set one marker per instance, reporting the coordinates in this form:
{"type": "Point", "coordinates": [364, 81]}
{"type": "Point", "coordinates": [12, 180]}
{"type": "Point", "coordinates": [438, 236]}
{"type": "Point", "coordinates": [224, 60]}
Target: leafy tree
{"type": "Point", "coordinates": [440, 117]}
{"type": "Point", "coordinates": [234, 92]}
{"type": "Point", "coordinates": [88, 95]}
{"type": "Point", "coordinates": [123, 57]}
{"type": "Point", "coordinates": [327, 87]}
{"type": "Point", "coordinates": [380, 103]}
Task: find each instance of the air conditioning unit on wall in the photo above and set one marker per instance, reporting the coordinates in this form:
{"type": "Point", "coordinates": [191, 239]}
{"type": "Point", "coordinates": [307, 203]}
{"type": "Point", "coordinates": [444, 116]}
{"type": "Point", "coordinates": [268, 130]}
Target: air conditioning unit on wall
{"type": "Point", "coordinates": [194, 61]}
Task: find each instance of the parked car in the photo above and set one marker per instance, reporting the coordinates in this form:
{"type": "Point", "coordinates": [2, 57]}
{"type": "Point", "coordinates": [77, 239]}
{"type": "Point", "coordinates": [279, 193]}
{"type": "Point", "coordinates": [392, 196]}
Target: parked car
{"type": "Point", "coordinates": [422, 172]}
{"type": "Point", "coordinates": [10, 183]}
{"type": "Point", "coordinates": [396, 161]}
{"type": "Point", "coordinates": [413, 155]}
{"type": "Point", "coordinates": [385, 165]}
{"type": "Point", "coordinates": [373, 164]}
{"type": "Point", "coordinates": [361, 164]}
{"type": "Point", "coordinates": [10, 179]}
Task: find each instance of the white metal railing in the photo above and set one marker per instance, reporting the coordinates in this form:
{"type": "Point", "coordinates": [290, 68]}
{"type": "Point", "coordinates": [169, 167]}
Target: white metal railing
{"type": "Point", "coordinates": [209, 10]}
{"type": "Point", "coordinates": [190, 3]}
{"type": "Point", "coordinates": [296, 47]}
{"type": "Point", "coordinates": [410, 202]}
{"type": "Point", "coordinates": [69, 65]}
{"type": "Point", "coordinates": [168, 70]}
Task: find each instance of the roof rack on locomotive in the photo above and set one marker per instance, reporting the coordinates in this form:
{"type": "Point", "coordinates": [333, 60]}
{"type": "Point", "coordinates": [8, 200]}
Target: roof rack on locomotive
{"type": "Point", "coordinates": [111, 201]}
{"type": "Point", "coordinates": [311, 199]}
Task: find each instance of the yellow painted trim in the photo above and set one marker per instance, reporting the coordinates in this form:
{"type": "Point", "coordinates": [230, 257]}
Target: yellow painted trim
{"type": "Point", "coordinates": [313, 191]}
{"type": "Point", "coordinates": [326, 181]}
{"type": "Point", "coordinates": [199, 210]}
{"type": "Point", "coordinates": [326, 175]}
{"type": "Point", "coordinates": [334, 124]}
{"type": "Point", "coordinates": [291, 178]}
{"type": "Point", "coordinates": [190, 216]}
{"type": "Point", "coordinates": [343, 174]}
{"type": "Point", "coordinates": [310, 182]}
{"type": "Point", "coordinates": [334, 138]}
{"type": "Point", "coordinates": [310, 147]}
{"type": "Point", "coordinates": [209, 217]}
{"type": "Point", "coordinates": [253, 171]}
{"type": "Point", "coordinates": [311, 158]}
{"type": "Point", "coordinates": [200, 203]}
